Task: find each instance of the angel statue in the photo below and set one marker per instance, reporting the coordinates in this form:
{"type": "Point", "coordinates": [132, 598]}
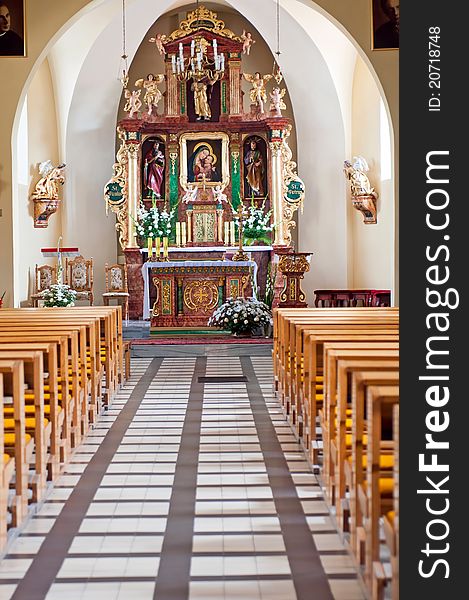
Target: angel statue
{"type": "Point", "coordinates": [48, 186]}
{"type": "Point", "coordinates": [219, 195]}
{"type": "Point", "coordinates": [191, 194]}
{"type": "Point", "coordinates": [276, 101]}
{"type": "Point", "coordinates": [356, 174]}
{"type": "Point", "coordinates": [152, 93]}
{"type": "Point", "coordinates": [133, 104]}
{"type": "Point", "coordinates": [258, 94]}
{"type": "Point", "coordinates": [247, 42]}
{"type": "Point", "coordinates": [159, 40]}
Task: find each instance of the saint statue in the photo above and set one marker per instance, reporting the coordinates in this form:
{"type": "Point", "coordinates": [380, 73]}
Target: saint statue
{"type": "Point", "coordinates": [153, 170]}
{"type": "Point", "coordinates": [47, 188]}
{"type": "Point", "coordinates": [258, 93]}
{"type": "Point", "coordinates": [152, 93]}
{"type": "Point", "coordinates": [356, 174]}
{"type": "Point", "coordinates": [254, 167]}
{"type": "Point", "coordinates": [201, 101]}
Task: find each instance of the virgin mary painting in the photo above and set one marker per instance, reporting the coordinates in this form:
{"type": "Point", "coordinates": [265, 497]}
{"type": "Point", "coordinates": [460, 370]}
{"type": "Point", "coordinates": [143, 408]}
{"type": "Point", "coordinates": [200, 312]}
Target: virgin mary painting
{"type": "Point", "coordinates": [203, 163]}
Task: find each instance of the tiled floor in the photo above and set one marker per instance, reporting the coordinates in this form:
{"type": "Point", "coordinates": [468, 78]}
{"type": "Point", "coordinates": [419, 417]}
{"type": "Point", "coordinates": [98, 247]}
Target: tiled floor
{"type": "Point", "coordinates": [185, 490]}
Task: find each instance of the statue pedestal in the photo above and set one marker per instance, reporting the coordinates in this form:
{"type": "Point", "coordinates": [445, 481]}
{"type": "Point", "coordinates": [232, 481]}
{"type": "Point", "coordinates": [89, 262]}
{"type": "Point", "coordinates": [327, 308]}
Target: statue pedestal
{"type": "Point", "coordinates": [293, 266]}
{"type": "Point", "coordinates": [366, 204]}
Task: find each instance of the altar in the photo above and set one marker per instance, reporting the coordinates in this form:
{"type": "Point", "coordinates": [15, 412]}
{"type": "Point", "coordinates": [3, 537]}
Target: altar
{"type": "Point", "coordinates": [198, 175]}
{"type": "Point", "coordinates": [185, 294]}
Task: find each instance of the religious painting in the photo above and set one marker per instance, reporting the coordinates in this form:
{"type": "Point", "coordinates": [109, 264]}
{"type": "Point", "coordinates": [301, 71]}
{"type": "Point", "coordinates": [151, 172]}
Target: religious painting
{"type": "Point", "coordinates": [204, 159]}
{"type": "Point", "coordinates": [12, 30]}
{"type": "Point", "coordinates": [153, 169]}
{"type": "Point", "coordinates": [255, 167]}
{"type": "Point", "coordinates": [385, 24]}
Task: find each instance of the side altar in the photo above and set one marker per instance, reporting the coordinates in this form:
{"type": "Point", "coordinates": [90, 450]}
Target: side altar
{"type": "Point", "coordinates": [192, 161]}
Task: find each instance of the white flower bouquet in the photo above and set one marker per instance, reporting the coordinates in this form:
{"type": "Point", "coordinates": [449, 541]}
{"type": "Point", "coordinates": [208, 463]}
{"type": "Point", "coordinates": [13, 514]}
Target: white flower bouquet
{"type": "Point", "coordinates": [241, 315]}
{"type": "Point", "coordinates": [154, 223]}
{"type": "Point", "coordinates": [256, 223]}
{"type": "Point", "coordinates": [59, 294]}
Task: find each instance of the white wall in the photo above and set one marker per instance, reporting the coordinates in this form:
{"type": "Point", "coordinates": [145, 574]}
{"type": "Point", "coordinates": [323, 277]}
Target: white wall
{"type": "Point", "coordinates": [37, 142]}
{"type": "Point", "coordinates": [372, 244]}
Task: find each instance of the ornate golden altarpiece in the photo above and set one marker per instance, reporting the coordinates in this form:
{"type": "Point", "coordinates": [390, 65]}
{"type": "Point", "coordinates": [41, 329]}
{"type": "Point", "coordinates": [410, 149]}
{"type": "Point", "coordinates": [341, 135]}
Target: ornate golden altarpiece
{"type": "Point", "coordinates": [192, 148]}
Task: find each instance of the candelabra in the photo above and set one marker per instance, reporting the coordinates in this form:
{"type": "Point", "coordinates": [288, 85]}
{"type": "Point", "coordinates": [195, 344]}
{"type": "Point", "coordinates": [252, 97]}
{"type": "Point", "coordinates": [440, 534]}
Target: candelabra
{"type": "Point", "coordinates": [198, 65]}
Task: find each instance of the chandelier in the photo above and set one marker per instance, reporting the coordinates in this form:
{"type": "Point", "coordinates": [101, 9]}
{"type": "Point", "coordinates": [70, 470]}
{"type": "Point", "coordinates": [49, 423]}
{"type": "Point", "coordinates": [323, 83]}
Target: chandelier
{"type": "Point", "coordinates": [198, 65]}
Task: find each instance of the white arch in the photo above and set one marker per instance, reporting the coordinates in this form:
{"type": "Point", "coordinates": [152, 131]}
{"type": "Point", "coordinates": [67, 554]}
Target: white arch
{"type": "Point", "coordinates": [86, 82]}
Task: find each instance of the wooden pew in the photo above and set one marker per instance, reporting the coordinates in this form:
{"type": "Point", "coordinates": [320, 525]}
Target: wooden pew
{"type": "Point", "coordinates": [36, 424]}
{"type": "Point", "coordinates": [376, 499]}
{"type": "Point", "coordinates": [53, 401]}
{"type": "Point", "coordinates": [18, 445]}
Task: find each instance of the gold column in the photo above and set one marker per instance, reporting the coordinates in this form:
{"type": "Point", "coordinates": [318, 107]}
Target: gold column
{"type": "Point", "coordinates": [234, 65]}
{"type": "Point", "coordinates": [172, 85]}
{"type": "Point", "coordinates": [277, 191]}
{"type": "Point", "coordinates": [189, 224]}
{"type": "Point", "coordinates": [133, 149]}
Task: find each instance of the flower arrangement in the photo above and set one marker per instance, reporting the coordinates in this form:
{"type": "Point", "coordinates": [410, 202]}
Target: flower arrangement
{"type": "Point", "coordinates": [256, 223]}
{"type": "Point", "coordinates": [154, 223]}
{"type": "Point", "coordinates": [241, 315]}
{"type": "Point", "coordinates": [270, 284]}
{"type": "Point", "coordinates": [59, 294]}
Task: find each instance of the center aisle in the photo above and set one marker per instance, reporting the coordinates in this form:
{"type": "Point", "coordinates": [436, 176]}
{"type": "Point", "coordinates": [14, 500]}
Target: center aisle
{"type": "Point", "coordinates": [191, 486]}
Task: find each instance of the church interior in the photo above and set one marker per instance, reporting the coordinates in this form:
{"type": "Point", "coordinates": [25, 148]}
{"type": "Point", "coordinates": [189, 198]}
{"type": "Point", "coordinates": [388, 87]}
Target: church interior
{"type": "Point", "coordinates": [199, 322]}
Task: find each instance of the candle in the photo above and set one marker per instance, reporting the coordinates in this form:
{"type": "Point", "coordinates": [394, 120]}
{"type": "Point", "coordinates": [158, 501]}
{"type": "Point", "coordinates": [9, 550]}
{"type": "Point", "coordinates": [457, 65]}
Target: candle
{"type": "Point", "coordinates": [150, 247]}
{"type": "Point", "coordinates": [183, 233]}
{"type": "Point", "coordinates": [192, 47]}
{"type": "Point", "coordinates": [227, 234]}
{"type": "Point", "coordinates": [178, 233]}
{"type": "Point", "coordinates": [165, 247]}
{"type": "Point", "coordinates": [173, 63]}
{"type": "Point", "coordinates": [232, 233]}
{"type": "Point", "coordinates": [158, 248]}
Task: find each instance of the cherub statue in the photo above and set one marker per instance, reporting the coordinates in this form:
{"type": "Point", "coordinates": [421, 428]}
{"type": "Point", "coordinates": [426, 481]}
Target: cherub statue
{"type": "Point", "coordinates": [258, 94]}
{"type": "Point", "coordinates": [276, 101]}
{"type": "Point", "coordinates": [219, 195]}
{"type": "Point", "coordinates": [159, 40]}
{"type": "Point", "coordinates": [133, 104]}
{"type": "Point", "coordinates": [51, 177]}
{"type": "Point", "coordinates": [191, 194]}
{"type": "Point", "coordinates": [356, 174]}
{"type": "Point", "coordinates": [152, 93]}
{"type": "Point", "coordinates": [247, 41]}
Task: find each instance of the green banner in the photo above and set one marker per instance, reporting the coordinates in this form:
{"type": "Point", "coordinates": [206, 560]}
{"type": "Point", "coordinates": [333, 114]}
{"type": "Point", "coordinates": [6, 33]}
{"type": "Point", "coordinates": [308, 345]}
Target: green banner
{"type": "Point", "coordinates": [235, 179]}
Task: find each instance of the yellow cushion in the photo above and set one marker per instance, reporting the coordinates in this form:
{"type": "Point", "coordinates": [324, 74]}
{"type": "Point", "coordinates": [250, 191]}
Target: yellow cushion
{"type": "Point", "coordinates": [386, 486]}
{"type": "Point", "coordinates": [29, 409]}
{"type": "Point", "coordinates": [348, 440]}
{"type": "Point", "coordinates": [390, 516]}
{"type": "Point", "coordinates": [386, 461]}
{"type": "Point", "coordinates": [6, 458]}
{"type": "Point", "coordinates": [10, 438]}
{"type": "Point", "coordinates": [30, 423]}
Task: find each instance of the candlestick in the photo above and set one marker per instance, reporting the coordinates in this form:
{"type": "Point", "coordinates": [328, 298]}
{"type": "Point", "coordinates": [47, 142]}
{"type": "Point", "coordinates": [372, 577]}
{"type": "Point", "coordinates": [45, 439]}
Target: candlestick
{"type": "Point", "coordinates": [227, 234]}
{"type": "Point", "coordinates": [150, 248]}
{"type": "Point", "coordinates": [178, 233]}
{"type": "Point", "coordinates": [232, 233]}
{"type": "Point", "coordinates": [158, 248]}
{"type": "Point", "coordinates": [183, 233]}
{"type": "Point", "coordinates": [165, 247]}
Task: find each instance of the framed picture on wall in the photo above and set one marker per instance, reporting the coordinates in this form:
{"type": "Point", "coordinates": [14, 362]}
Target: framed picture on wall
{"type": "Point", "coordinates": [12, 29]}
{"type": "Point", "coordinates": [385, 24]}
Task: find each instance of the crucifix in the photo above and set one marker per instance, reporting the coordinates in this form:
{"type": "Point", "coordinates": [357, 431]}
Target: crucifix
{"type": "Point", "coordinates": [240, 255]}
